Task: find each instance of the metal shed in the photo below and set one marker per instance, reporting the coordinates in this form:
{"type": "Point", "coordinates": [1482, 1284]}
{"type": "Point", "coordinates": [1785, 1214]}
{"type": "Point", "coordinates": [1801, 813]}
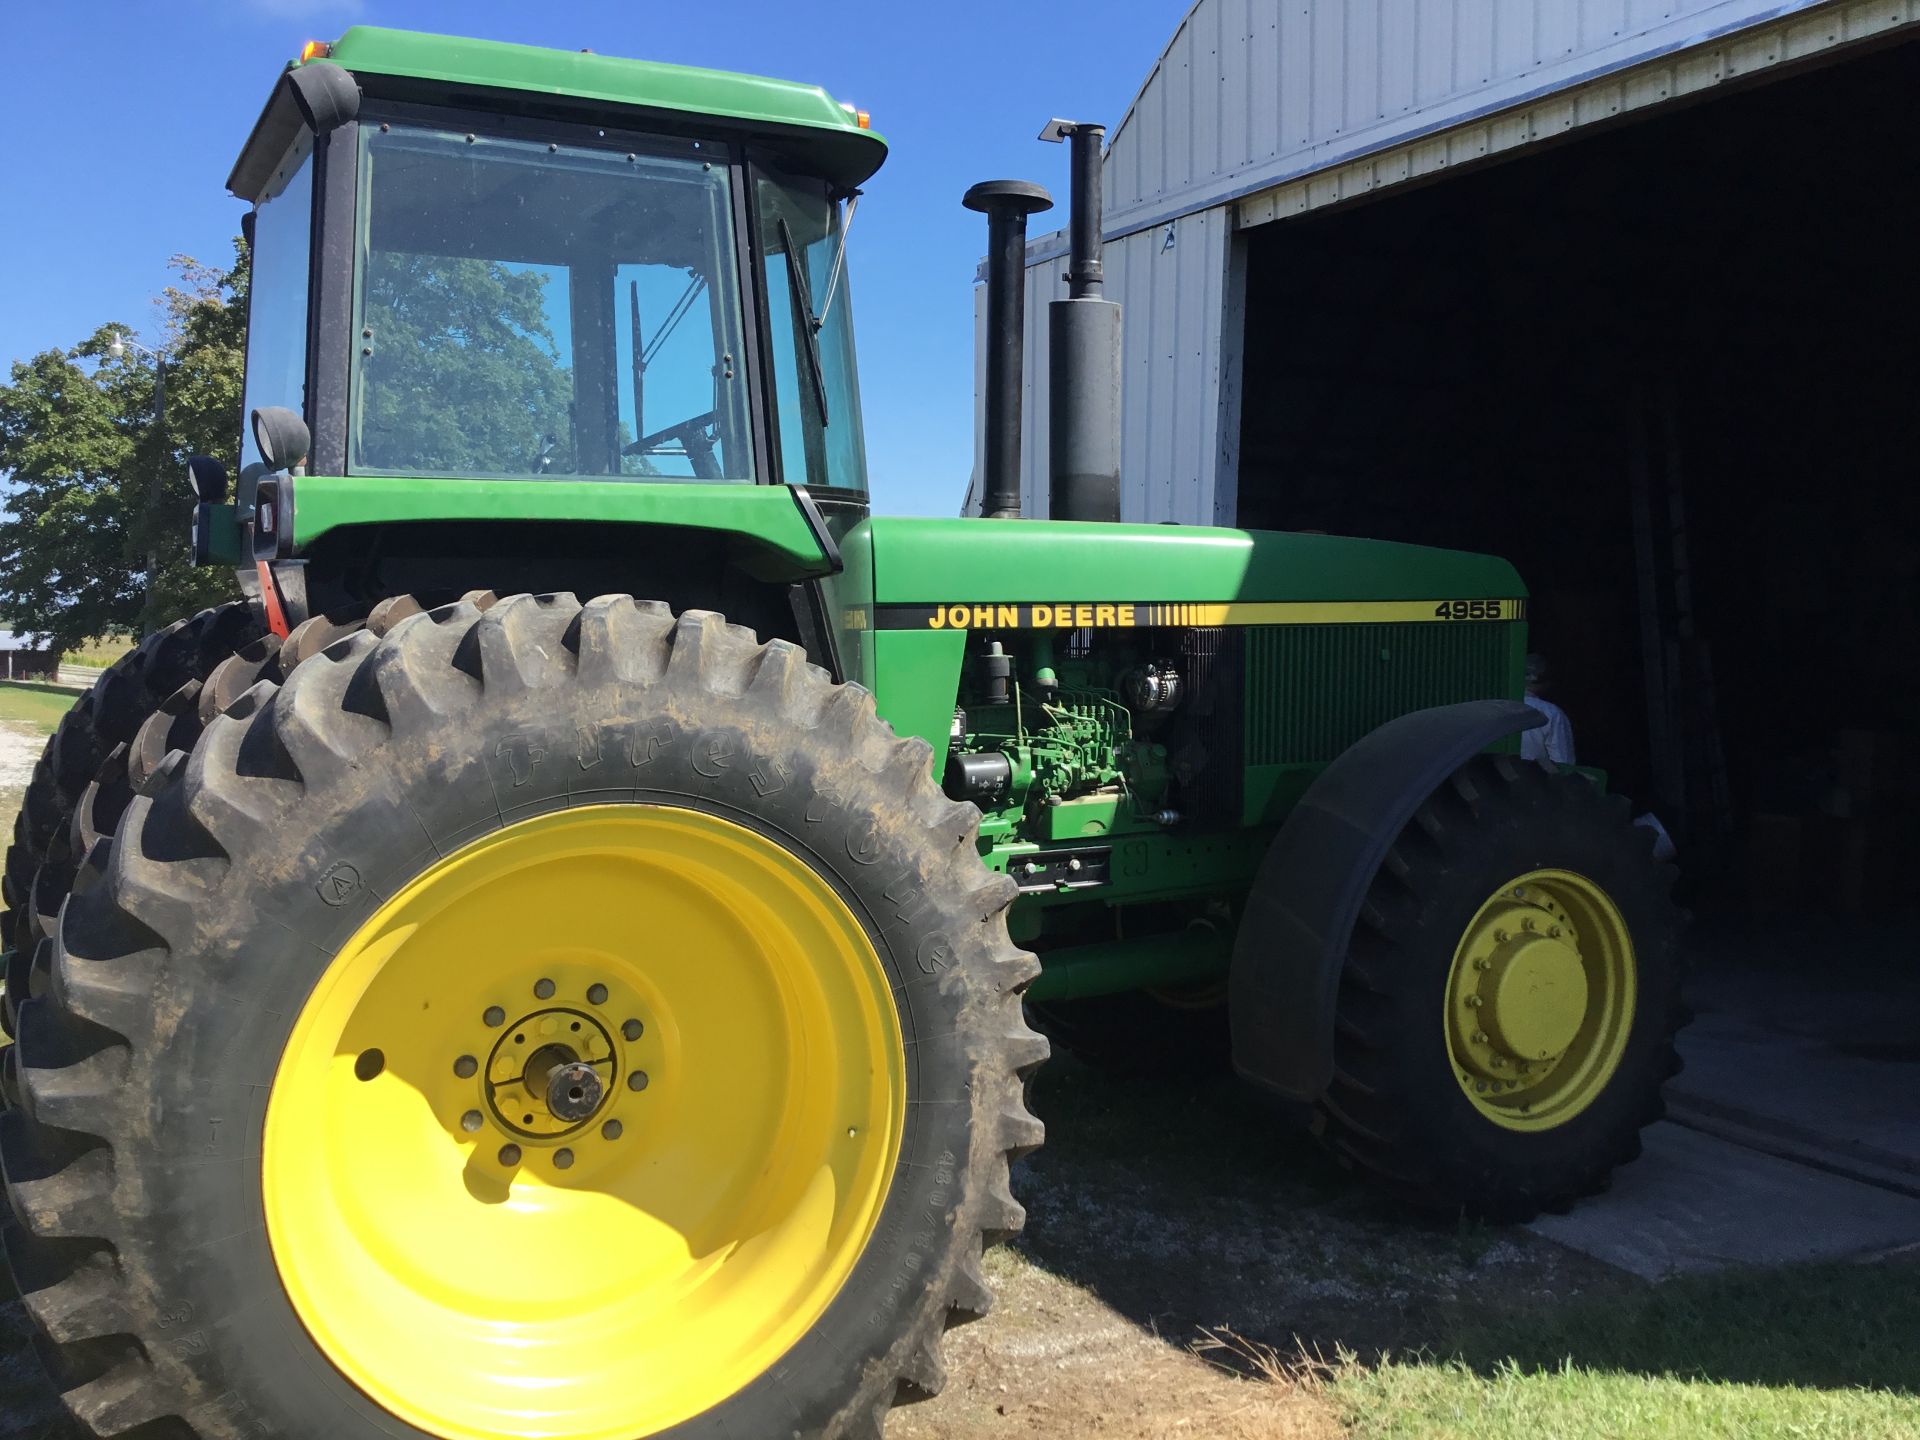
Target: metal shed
{"type": "Point", "coordinates": [1260, 111]}
{"type": "Point", "coordinates": [1615, 289]}
{"type": "Point", "coordinates": [1618, 290]}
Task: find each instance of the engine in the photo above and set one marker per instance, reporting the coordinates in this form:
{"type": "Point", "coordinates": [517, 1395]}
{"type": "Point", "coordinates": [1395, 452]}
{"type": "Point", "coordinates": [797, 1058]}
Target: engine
{"type": "Point", "coordinates": [1064, 745]}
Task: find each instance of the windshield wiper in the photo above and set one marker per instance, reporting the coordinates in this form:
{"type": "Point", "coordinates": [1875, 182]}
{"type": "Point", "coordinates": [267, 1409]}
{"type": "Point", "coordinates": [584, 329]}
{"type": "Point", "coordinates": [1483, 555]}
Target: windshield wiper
{"type": "Point", "coordinates": [809, 326]}
{"type": "Point", "coordinates": [839, 261]}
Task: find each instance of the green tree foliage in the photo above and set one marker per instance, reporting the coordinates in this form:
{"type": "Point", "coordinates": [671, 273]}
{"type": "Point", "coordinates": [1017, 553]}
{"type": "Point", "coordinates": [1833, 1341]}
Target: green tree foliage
{"type": "Point", "coordinates": [98, 480]}
{"type": "Point", "coordinates": [466, 376]}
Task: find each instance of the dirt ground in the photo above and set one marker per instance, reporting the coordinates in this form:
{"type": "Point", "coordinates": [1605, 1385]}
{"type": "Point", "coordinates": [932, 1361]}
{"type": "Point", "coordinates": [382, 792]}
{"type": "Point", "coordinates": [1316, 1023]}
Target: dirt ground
{"type": "Point", "coordinates": [1163, 1212]}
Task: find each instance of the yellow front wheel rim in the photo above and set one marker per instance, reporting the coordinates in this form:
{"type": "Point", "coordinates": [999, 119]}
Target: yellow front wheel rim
{"type": "Point", "coordinates": [1540, 1000]}
{"type": "Point", "coordinates": [585, 1127]}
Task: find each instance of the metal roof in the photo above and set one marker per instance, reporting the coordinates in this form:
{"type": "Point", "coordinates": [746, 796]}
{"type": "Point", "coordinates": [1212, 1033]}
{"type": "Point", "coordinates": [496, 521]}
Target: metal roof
{"type": "Point", "coordinates": [1252, 94]}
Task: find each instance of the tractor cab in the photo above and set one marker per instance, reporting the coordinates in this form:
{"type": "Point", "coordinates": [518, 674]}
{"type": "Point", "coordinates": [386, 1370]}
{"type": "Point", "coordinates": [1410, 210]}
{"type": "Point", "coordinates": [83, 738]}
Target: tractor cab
{"type": "Point", "coordinates": [483, 270]}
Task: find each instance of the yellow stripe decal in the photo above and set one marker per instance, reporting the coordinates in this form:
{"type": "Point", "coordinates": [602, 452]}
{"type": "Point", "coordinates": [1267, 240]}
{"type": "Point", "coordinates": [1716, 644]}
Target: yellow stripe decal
{"type": "Point", "coordinates": [1121, 614]}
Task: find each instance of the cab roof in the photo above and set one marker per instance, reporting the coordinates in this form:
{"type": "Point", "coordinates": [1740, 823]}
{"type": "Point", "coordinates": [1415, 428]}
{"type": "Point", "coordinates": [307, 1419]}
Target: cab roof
{"type": "Point", "coordinates": [811, 127]}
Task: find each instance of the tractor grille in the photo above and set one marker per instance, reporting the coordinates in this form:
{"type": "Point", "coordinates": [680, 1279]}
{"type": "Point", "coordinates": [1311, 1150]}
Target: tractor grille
{"type": "Point", "coordinates": [1312, 690]}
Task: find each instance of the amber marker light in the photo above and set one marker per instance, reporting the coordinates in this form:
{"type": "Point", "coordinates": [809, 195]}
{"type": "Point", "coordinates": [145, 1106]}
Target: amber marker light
{"type": "Point", "coordinates": [315, 50]}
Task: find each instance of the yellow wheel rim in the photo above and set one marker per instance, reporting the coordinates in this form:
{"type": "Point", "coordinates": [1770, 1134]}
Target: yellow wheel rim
{"type": "Point", "coordinates": [1540, 1000]}
{"type": "Point", "coordinates": [482, 1261]}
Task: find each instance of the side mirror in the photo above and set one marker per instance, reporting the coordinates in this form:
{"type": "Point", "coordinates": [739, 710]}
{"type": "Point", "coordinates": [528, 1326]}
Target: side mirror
{"type": "Point", "coordinates": [282, 437]}
{"type": "Point", "coordinates": [208, 477]}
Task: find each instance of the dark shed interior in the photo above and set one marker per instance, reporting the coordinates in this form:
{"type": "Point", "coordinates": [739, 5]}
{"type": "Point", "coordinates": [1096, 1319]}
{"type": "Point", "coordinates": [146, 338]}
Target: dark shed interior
{"type": "Point", "coordinates": [1671, 369]}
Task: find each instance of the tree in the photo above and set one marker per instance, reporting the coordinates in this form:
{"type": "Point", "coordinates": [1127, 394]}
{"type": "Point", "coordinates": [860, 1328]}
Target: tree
{"type": "Point", "coordinates": [466, 375]}
{"type": "Point", "coordinates": [85, 449]}
{"type": "Point", "coordinates": [466, 378]}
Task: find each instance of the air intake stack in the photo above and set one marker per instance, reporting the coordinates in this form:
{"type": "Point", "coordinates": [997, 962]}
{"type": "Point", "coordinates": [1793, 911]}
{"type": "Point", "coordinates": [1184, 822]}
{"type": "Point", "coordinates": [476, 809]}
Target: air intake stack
{"type": "Point", "coordinates": [1083, 458]}
{"type": "Point", "coordinates": [1006, 204]}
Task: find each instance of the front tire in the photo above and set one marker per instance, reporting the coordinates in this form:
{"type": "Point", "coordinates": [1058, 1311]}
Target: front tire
{"type": "Point", "coordinates": [269, 1134]}
{"type": "Point", "coordinates": [1507, 1012]}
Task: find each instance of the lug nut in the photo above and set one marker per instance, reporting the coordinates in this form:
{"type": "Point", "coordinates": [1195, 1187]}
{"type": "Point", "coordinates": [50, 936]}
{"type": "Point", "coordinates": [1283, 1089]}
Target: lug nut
{"type": "Point", "coordinates": [543, 989]}
{"type": "Point", "coordinates": [465, 1067]}
{"type": "Point", "coordinates": [563, 1159]}
{"type": "Point", "coordinates": [471, 1121]}
{"type": "Point", "coordinates": [509, 1154]}
{"type": "Point", "coordinates": [637, 1080]}
{"type": "Point", "coordinates": [633, 1029]}
{"type": "Point", "coordinates": [495, 1017]}
{"type": "Point", "coordinates": [611, 1130]}
{"type": "Point", "coordinates": [1482, 963]}
{"type": "Point", "coordinates": [596, 994]}
{"type": "Point", "coordinates": [1479, 1037]}
{"type": "Point", "coordinates": [1473, 1002]}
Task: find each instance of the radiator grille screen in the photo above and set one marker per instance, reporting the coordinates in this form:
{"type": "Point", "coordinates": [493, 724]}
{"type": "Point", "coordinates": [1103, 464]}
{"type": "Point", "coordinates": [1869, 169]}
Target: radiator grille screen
{"type": "Point", "coordinates": [1312, 690]}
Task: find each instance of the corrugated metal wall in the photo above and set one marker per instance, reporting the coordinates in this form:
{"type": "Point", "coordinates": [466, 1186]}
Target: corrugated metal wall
{"type": "Point", "coordinates": [1170, 282]}
{"type": "Point", "coordinates": [1259, 109]}
{"type": "Point", "coordinates": [1250, 93]}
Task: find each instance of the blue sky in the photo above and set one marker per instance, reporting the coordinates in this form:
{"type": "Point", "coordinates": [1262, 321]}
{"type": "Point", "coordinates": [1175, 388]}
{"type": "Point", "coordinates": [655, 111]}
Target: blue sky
{"type": "Point", "coordinates": [119, 120]}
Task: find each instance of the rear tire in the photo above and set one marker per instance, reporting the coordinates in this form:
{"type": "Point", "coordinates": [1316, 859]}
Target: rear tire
{"type": "Point", "coordinates": [43, 858]}
{"type": "Point", "coordinates": [1403, 1105]}
{"type": "Point", "coordinates": [125, 726]}
{"type": "Point", "coordinates": [189, 960]}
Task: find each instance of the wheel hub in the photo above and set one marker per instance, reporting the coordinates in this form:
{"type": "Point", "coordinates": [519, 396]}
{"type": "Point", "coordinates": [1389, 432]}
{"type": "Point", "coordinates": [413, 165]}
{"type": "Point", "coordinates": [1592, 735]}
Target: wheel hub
{"type": "Point", "coordinates": [1539, 998]}
{"type": "Point", "coordinates": [1536, 996]}
{"type": "Point", "coordinates": [550, 1072]}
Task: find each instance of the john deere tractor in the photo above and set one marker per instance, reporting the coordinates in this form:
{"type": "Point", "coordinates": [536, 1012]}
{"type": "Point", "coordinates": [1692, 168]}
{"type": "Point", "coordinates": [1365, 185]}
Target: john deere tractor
{"type": "Point", "coordinates": [559, 957]}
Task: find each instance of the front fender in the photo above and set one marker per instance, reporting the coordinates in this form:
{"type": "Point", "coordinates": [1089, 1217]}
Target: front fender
{"type": "Point", "coordinates": [1306, 896]}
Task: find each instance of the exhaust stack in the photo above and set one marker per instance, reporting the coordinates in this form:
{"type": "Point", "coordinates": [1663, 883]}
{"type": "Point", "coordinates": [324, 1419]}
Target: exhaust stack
{"type": "Point", "coordinates": [1083, 433]}
{"type": "Point", "coordinates": [1006, 204]}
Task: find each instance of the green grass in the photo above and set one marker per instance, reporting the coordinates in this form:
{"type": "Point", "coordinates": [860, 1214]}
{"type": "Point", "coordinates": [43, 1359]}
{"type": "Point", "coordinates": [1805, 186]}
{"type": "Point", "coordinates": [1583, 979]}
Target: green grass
{"type": "Point", "coordinates": [32, 708]}
{"type": "Point", "coordinates": [1796, 1353]}
{"type": "Point", "coordinates": [32, 711]}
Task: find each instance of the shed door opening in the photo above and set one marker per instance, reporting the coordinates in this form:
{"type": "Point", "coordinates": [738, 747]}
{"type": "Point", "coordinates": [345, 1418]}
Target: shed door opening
{"type": "Point", "coordinates": [1717, 302]}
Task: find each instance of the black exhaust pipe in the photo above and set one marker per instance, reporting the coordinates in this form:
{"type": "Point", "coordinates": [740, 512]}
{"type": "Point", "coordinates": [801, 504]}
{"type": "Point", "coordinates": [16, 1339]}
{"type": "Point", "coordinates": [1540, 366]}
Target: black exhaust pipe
{"type": "Point", "coordinates": [1083, 357]}
{"type": "Point", "coordinates": [1006, 204]}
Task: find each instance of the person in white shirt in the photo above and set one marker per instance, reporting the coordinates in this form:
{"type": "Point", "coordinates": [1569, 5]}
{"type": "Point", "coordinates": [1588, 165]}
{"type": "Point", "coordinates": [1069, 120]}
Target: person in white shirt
{"type": "Point", "coordinates": [1551, 745]}
{"type": "Point", "coordinates": [1554, 740]}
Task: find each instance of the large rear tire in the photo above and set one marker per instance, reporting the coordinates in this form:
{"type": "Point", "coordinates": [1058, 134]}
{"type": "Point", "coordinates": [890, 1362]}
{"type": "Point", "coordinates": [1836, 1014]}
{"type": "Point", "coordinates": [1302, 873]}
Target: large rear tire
{"type": "Point", "coordinates": [44, 856]}
{"type": "Point", "coordinates": [280, 1168]}
{"type": "Point", "coordinates": [1506, 1015]}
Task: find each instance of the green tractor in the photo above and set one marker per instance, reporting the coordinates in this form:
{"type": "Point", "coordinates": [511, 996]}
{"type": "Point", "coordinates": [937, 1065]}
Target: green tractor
{"type": "Point", "coordinates": [559, 957]}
